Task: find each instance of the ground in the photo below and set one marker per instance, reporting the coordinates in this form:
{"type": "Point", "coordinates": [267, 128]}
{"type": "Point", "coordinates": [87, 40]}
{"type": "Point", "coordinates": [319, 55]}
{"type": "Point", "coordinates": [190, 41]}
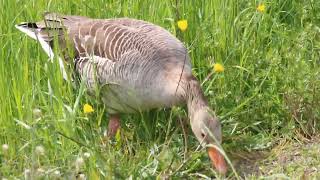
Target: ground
{"type": "Point", "coordinates": [287, 160]}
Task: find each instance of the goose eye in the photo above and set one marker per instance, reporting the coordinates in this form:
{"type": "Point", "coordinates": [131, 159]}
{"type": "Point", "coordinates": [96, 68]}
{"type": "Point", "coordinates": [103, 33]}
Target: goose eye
{"type": "Point", "coordinates": [203, 135]}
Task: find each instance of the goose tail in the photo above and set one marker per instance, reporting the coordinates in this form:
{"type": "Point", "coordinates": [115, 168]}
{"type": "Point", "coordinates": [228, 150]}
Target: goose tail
{"type": "Point", "coordinates": [44, 32]}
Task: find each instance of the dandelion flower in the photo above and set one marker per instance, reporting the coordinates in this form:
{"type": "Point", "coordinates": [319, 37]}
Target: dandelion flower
{"type": "Point", "coordinates": [217, 67]}
{"type": "Point", "coordinates": [261, 8]}
{"type": "Point", "coordinates": [87, 108]}
{"type": "Point", "coordinates": [40, 150]}
{"type": "Point", "coordinates": [5, 147]}
{"type": "Point", "coordinates": [183, 25]}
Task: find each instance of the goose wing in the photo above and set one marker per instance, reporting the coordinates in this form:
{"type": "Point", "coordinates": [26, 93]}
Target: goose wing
{"type": "Point", "coordinates": [107, 38]}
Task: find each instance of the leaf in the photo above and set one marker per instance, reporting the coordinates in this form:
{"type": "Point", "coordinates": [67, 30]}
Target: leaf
{"type": "Point", "coordinates": [94, 175]}
{"type": "Point", "coordinates": [118, 139]}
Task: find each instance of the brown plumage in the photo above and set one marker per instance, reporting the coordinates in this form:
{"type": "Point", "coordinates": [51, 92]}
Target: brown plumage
{"type": "Point", "coordinates": [136, 64]}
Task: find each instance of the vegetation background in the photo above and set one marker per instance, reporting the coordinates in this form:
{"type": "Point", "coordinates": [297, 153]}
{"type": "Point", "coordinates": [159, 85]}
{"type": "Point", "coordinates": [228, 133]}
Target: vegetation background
{"type": "Point", "coordinates": [268, 97]}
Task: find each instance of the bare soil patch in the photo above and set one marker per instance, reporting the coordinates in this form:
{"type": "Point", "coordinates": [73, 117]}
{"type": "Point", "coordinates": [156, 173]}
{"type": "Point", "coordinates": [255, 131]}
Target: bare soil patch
{"type": "Point", "coordinates": [298, 160]}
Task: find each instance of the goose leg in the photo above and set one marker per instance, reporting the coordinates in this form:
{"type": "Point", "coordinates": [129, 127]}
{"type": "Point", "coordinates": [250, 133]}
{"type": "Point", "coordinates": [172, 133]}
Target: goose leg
{"type": "Point", "coordinates": [114, 125]}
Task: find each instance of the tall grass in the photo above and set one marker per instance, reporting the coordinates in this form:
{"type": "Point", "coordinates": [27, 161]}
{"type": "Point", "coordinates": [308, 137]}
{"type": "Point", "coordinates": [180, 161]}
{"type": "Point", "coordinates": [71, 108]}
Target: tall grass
{"type": "Point", "coordinates": [268, 91]}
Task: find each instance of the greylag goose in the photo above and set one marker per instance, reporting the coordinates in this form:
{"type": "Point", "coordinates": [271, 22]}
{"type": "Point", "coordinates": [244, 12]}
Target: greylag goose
{"type": "Point", "coordinates": [137, 65]}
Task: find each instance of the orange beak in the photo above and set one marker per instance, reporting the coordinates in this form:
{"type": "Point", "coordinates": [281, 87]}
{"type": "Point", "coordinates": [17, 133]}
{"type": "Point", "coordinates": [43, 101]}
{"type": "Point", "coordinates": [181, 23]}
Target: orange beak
{"type": "Point", "coordinates": [217, 160]}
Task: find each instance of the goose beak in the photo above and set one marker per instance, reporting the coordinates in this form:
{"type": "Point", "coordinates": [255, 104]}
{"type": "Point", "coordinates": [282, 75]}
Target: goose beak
{"type": "Point", "coordinates": [217, 160]}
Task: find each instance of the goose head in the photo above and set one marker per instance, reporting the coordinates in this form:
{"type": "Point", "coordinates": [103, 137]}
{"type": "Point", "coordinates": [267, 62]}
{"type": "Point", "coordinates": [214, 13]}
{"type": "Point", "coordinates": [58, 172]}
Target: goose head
{"type": "Point", "coordinates": [204, 124]}
{"type": "Point", "coordinates": [207, 130]}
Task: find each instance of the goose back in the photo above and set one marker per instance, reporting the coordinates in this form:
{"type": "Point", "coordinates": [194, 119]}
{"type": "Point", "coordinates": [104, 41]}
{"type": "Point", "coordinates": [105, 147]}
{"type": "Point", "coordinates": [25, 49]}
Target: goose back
{"type": "Point", "coordinates": [110, 38]}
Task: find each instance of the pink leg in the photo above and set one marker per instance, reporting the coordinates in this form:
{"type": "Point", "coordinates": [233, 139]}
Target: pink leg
{"type": "Point", "coordinates": [114, 125]}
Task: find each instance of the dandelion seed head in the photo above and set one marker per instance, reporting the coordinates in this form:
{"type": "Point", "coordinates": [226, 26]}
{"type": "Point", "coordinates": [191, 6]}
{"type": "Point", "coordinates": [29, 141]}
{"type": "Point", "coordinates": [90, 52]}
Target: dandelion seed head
{"type": "Point", "coordinates": [40, 171]}
{"type": "Point", "coordinates": [86, 154]}
{"type": "Point", "coordinates": [27, 173]}
{"type": "Point", "coordinates": [56, 173]}
{"type": "Point", "coordinates": [5, 147]}
{"type": "Point", "coordinates": [40, 150]}
{"type": "Point", "coordinates": [79, 162]}
{"type": "Point", "coordinates": [36, 113]}
{"type": "Point", "coordinates": [82, 176]}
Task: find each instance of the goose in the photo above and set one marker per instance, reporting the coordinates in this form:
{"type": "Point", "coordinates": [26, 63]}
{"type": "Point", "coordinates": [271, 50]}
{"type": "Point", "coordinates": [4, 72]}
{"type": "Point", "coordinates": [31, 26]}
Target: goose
{"type": "Point", "coordinates": [137, 65]}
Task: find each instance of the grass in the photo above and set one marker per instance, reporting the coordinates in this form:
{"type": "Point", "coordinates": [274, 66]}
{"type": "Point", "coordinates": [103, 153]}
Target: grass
{"type": "Point", "coordinates": [267, 95]}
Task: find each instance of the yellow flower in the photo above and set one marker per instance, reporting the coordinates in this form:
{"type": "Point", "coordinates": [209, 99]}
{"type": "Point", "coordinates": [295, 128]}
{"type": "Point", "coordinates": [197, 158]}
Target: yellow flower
{"type": "Point", "coordinates": [87, 108]}
{"type": "Point", "coordinates": [183, 25]}
{"type": "Point", "coordinates": [218, 68]}
{"type": "Point", "coordinates": [261, 8]}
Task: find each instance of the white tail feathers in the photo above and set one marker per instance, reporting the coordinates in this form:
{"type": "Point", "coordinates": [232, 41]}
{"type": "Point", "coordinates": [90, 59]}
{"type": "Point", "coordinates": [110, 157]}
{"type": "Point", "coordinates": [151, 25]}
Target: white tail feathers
{"type": "Point", "coordinates": [33, 32]}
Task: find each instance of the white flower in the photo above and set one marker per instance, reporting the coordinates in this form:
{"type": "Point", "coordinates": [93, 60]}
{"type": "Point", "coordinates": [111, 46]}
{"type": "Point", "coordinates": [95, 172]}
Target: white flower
{"type": "Point", "coordinates": [86, 155]}
{"type": "Point", "coordinates": [40, 150]}
{"type": "Point", "coordinates": [40, 172]}
{"type": "Point", "coordinates": [5, 147]}
{"type": "Point", "coordinates": [79, 162]}
{"type": "Point", "coordinates": [56, 173]}
{"type": "Point", "coordinates": [82, 176]}
{"type": "Point", "coordinates": [36, 113]}
{"type": "Point", "coordinates": [27, 174]}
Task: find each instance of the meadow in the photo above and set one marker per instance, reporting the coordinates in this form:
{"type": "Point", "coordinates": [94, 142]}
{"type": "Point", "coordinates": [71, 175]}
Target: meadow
{"type": "Point", "coordinates": [267, 97]}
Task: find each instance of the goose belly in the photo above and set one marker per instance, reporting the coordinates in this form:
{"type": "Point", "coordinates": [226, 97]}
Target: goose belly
{"type": "Point", "coordinates": [124, 99]}
{"type": "Point", "coordinates": [143, 85]}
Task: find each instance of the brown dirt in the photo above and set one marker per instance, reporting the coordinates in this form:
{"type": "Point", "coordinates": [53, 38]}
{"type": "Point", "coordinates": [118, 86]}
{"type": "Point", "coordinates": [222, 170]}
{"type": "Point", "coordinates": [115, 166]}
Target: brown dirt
{"type": "Point", "coordinates": [286, 160]}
